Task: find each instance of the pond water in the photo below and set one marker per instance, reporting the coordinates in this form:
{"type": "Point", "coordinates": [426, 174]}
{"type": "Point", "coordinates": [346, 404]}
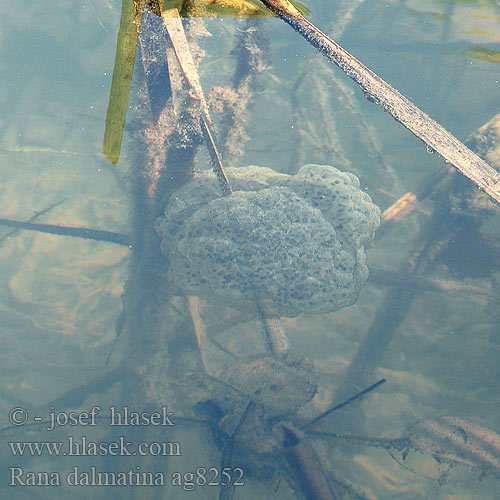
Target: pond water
{"type": "Point", "coordinates": [433, 287]}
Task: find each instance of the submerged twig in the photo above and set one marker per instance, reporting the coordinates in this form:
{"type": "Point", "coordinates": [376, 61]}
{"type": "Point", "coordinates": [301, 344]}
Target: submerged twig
{"type": "Point", "coordinates": [75, 232]}
{"type": "Point", "coordinates": [226, 491]}
{"type": "Point", "coordinates": [32, 219]}
{"type": "Point", "coordinates": [300, 453]}
{"type": "Point", "coordinates": [380, 92]}
{"type": "Point", "coordinates": [397, 443]}
{"type": "Point", "coordinates": [274, 334]}
{"type": "Point", "coordinates": [344, 403]}
{"type": "Point", "coordinates": [234, 103]}
{"type": "Point", "coordinates": [397, 302]}
{"type": "Point", "coordinates": [302, 456]}
{"type": "Point", "coordinates": [119, 325]}
{"type": "Point", "coordinates": [411, 280]}
{"type": "Point", "coordinates": [408, 202]}
{"type": "Point", "coordinates": [448, 439]}
{"type": "Point", "coordinates": [310, 96]}
{"type": "Point", "coordinates": [199, 329]}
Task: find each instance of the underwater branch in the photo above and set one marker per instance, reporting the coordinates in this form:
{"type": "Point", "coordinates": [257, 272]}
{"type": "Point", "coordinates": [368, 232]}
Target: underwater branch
{"type": "Point", "coordinates": [75, 232]}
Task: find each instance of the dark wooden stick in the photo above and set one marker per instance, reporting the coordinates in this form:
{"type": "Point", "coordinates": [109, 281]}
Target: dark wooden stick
{"type": "Point", "coordinates": [344, 403]}
{"type": "Point", "coordinates": [380, 92]}
{"type": "Point", "coordinates": [301, 455]}
{"type": "Point", "coordinates": [75, 232]}
{"type": "Point", "coordinates": [33, 219]}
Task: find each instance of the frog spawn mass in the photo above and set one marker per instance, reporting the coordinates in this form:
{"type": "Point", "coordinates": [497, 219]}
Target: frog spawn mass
{"type": "Point", "coordinates": [289, 243]}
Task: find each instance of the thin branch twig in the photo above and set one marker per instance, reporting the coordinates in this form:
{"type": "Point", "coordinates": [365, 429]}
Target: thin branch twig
{"type": "Point", "coordinates": [75, 232]}
{"type": "Point", "coordinates": [33, 219]}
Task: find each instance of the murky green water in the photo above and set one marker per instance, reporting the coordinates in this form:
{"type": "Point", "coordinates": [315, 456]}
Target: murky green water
{"type": "Point", "coordinates": [60, 297]}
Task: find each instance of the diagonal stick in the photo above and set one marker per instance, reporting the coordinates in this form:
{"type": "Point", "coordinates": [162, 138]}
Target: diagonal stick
{"type": "Point", "coordinates": [176, 33]}
{"type": "Point", "coordinates": [380, 92]}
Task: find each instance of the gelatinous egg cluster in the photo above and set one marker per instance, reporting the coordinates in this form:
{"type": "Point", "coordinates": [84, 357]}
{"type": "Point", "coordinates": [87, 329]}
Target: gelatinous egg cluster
{"type": "Point", "coordinates": [291, 243]}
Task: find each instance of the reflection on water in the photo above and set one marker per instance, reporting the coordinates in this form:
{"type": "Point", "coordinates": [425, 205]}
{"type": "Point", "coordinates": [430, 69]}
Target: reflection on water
{"type": "Point", "coordinates": [426, 320]}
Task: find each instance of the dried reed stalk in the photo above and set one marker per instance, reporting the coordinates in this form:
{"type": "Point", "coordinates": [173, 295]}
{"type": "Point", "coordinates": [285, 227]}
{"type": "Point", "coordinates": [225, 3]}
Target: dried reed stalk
{"type": "Point", "coordinates": [380, 92]}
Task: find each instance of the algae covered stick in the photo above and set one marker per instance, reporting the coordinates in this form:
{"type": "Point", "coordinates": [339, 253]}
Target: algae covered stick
{"type": "Point", "coordinates": [380, 92]}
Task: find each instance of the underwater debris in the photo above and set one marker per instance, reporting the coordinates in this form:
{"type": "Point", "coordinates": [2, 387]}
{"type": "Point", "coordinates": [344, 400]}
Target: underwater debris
{"type": "Point", "coordinates": [234, 103]}
{"type": "Point", "coordinates": [281, 388]}
{"type": "Point", "coordinates": [293, 243]}
{"type": "Point", "coordinates": [350, 400]}
{"type": "Point", "coordinates": [301, 455]}
{"type": "Point", "coordinates": [76, 232]}
{"type": "Point", "coordinates": [451, 440]}
{"type": "Point", "coordinates": [265, 428]}
{"type": "Point", "coordinates": [457, 441]}
{"type": "Point", "coordinates": [31, 220]}
{"type": "Point", "coordinates": [250, 395]}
